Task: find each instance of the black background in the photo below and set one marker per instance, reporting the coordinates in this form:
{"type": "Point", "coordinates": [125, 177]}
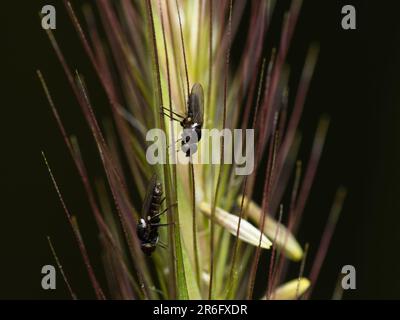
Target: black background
{"type": "Point", "coordinates": [355, 82]}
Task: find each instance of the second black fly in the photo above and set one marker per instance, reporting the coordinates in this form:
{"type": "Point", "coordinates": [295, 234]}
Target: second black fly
{"type": "Point", "coordinates": [147, 227]}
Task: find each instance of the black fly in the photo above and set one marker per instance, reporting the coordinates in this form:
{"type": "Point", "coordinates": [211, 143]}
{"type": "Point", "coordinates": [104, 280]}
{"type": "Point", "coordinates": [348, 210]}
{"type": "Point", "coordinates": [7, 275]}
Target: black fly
{"type": "Point", "coordinates": [193, 121]}
{"type": "Point", "coordinates": [147, 227]}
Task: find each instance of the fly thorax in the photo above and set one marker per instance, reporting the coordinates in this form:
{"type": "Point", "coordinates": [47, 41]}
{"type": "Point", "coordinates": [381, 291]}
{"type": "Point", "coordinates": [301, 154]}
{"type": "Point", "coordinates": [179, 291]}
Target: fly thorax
{"type": "Point", "coordinates": [187, 122]}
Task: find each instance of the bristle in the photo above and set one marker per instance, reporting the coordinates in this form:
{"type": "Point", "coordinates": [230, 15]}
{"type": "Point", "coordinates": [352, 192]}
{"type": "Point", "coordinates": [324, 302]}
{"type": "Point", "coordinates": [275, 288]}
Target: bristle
{"type": "Point", "coordinates": [169, 217]}
{"type": "Point", "coordinates": [269, 176]}
{"type": "Point", "coordinates": [272, 261]}
{"type": "Point", "coordinates": [81, 245]}
{"type": "Point", "coordinates": [215, 199]}
{"type": "Point", "coordinates": [294, 119]}
{"type": "Point", "coordinates": [311, 169]}
{"type": "Point", "coordinates": [327, 235]}
{"type": "Point", "coordinates": [75, 154]}
{"type": "Point", "coordinates": [183, 49]}
{"type": "Point", "coordinates": [60, 267]}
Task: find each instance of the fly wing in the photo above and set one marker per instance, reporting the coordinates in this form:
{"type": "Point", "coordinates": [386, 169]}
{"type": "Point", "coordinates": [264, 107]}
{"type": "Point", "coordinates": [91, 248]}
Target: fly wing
{"type": "Point", "coordinates": [149, 195]}
{"type": "Point", "coordinates": [196, 103]}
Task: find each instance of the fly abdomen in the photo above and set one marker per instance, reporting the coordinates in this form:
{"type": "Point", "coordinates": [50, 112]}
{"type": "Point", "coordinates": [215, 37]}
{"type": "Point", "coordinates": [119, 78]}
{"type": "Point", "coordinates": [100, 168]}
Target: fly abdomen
{"type": "Point", "coordinates": [156, 199]}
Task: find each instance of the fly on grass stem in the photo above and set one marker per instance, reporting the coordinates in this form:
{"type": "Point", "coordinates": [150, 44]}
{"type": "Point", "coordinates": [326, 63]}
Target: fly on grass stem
{"type": "Point", "coordinates": [192, 122]}
{"type": "Point", "coordinates": [147, 227]}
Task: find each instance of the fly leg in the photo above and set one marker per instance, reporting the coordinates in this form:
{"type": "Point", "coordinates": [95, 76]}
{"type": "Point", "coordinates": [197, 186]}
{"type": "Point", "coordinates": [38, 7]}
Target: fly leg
{"type": "Point", "coordinates": [179, 119]}
{"type": "Point", "coordinates": [156, 225]}
{"type": "Point", "coordinates": [165, 210]}
{"type": "Point", "coordinates": [162, 244]}
{"type": "Point", "coordinates": [174, 113]}
{"type": "Point", "coordinates": [180, 139]}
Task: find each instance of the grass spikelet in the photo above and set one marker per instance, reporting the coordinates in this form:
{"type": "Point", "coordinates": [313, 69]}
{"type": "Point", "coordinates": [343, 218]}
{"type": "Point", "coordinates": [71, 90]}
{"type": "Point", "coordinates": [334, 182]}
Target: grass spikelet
{"type": "Point", "coordinates": [291, 290]}
{"type": "Point", "coordinates": [146, 56]}
{"type": "Point", "coordinates": [248, 233]}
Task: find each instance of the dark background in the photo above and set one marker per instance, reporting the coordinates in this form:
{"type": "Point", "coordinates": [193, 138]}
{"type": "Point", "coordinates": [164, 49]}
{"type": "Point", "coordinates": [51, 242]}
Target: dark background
{"type": "Point", "coordinates": [355, 82]}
